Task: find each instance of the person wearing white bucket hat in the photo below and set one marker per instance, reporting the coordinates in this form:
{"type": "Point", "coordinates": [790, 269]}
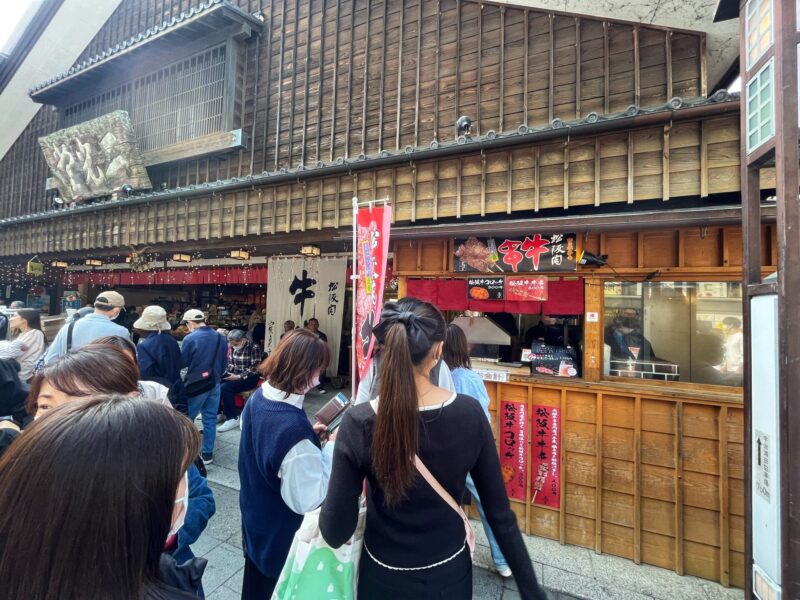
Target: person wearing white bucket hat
{"type": "Point", "coordinates": [159, 356]}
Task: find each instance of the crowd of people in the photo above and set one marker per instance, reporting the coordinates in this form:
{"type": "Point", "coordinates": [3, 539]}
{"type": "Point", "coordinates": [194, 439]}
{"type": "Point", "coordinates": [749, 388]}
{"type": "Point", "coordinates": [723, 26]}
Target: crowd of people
{"type": "Point", "coordinates": [96, 433]}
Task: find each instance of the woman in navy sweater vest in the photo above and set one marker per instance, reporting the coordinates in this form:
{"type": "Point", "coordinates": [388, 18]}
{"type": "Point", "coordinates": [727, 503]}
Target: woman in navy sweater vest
{"type": "Point", "coordinates": [283, 470]}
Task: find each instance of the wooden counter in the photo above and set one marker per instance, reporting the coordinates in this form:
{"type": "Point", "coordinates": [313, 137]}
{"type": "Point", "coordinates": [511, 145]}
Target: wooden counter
{"type": "Point", "coordinates": [652, 473]}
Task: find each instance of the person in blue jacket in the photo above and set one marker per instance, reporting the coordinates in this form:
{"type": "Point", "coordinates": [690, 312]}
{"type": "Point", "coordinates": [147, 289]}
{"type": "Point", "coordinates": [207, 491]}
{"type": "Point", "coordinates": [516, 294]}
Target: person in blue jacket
{"type": "Point", "coordinates": [204, 351]}
{"type": "Point", "coordinates": [468, 382]}
{"type": "Point", "coordinates": [201, 508]}
{"type": "Point", "coordinates": [159, 355]}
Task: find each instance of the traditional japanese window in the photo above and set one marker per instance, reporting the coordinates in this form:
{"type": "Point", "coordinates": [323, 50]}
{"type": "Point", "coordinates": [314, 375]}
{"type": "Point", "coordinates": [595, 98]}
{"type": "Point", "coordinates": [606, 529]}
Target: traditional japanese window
{"type": "Point", "coordinates": [675, 331]}
{"type": "Point", "coordinates": [758, 24]}
{"type": "Point", "coordinates": [761, 107]}
{"type": "Point", "coordinates": [177, 103]}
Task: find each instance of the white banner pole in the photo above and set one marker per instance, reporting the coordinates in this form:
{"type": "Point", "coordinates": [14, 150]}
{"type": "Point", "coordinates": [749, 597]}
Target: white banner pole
{"type": "Point", "coordinates": [354, 281]}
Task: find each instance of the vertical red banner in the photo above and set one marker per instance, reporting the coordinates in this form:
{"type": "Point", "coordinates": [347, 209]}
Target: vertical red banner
{"type": "Point", "coordinates": [514, 447]}
{"type": "Point", "coordinates": [371, 253]}
{"type": "Point", "coordinates": [546, 456]}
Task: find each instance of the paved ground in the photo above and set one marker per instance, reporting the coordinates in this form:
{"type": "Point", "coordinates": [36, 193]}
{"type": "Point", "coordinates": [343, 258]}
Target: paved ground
{"type": "Point", "coordinates": [568, 572]}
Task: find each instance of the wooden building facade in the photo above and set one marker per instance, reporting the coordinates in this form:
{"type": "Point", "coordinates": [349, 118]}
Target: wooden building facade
{"type": "Point", "coordinates": [259, 120]}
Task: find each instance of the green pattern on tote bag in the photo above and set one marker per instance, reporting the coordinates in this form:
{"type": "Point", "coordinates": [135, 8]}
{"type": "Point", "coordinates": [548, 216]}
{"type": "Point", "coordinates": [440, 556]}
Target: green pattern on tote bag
{"type": "Point", "coordinates": [323, 577]}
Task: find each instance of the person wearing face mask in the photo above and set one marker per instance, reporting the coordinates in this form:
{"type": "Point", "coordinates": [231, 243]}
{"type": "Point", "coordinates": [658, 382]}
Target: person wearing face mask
{"type": "Point", "coordinates": [112, 496]}
{"type": "Point", "coordinates": [626, 339]}
{"type": "Point", "coordinates": [27, 323]}
{"type": "Point", "coordinates": [283, 470]}
{"type": "Point", "coordinates": [99, 369]}
{"type": "Point", "coordinates": [241, 375]}
{"type": "Point", "coordinates": [107, 307]}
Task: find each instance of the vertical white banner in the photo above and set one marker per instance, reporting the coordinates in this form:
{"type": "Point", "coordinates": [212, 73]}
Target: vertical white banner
{"type": "Point", "coordinates": [301, 288]}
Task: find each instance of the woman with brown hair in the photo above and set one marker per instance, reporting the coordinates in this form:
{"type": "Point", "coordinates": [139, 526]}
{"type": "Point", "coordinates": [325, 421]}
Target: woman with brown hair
{"type": "Point", "coordinates": [283, 470]}
{"type": "Point", "coordinates": [90, 494]}
{"type": "Point", "coordinates": [415, 544]}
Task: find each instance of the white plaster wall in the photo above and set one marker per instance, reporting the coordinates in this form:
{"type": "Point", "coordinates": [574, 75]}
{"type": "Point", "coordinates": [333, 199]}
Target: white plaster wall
{"type": "Point", "coordinates": [722, 39]}
{"type": "Point", "coordinates": [59, 46]}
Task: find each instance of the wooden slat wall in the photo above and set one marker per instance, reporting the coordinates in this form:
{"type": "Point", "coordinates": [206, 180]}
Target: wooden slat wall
{"type": "Point", "coordinates": [655, 479]}
{"type": "Point", "coordinates": [339, 78]}
{"type": "Point", "coordinates": [497, 183]}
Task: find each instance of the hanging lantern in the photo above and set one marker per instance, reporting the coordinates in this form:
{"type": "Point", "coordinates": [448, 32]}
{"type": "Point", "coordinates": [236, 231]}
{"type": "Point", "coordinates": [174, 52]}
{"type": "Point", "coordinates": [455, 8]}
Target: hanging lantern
{"type": "Point", "coordinates": [94, 262]}
{"type": "Point", "coordinates": [182, 258]}
{"type": "Point", "coordinates": [59, 264]}
{"type": "Point", "coordinates": [311, 251]}
{"type": "Point", "coordinates": [240, 254]}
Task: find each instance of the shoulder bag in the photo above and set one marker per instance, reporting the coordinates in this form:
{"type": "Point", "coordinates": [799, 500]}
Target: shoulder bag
{"type": "Point", "coordinates": [200, 382]}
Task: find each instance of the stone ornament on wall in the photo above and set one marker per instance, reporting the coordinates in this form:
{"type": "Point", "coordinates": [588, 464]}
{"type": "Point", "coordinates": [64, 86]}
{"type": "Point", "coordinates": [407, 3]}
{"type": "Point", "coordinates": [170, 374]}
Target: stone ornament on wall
{"type": "Point", "coordinates": [95, 158]}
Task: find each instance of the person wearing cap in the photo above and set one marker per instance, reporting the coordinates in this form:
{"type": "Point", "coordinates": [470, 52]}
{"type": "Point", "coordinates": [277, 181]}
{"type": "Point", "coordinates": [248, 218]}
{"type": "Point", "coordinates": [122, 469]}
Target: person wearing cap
{"type": "Point", "coordinates": [242, 375]}
{"type": "Point", "coordinates": [204, 351]}
{"type": "Point", "coordinates": [72, 336]}
{"type": "Point", "coordinates": [159, 355]}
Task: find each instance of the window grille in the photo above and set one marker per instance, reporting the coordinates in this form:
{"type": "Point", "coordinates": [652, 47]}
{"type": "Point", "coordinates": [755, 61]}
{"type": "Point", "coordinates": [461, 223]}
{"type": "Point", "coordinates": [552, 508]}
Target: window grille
{"type": "Point", "coordinates": [760, 107]}
{"type": "Point", "coordinates": [758, 14]}
{"type": "Point", "coordinates": [179, 102]}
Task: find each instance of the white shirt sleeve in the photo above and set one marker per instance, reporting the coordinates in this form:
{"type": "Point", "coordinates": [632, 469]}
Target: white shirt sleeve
{"type": "Point", "coordinates": [304, 476]}
{"type": "Point", "coordinates": [365, 386]}
{"type": "Point", "coordinates": [446, 378]}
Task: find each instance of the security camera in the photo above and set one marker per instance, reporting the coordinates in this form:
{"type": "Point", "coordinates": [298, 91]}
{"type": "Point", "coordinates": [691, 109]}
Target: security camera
{"type": "Point", "coordinates": [464, 125]}
{"type": "Point", "coordinates": [590, 259]}
{"type": "Point", "coordinates": [58, 202]}
{"type": "Point", "coordinates": [127, 189]}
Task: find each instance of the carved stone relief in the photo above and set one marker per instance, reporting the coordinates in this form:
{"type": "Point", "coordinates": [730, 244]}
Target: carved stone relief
{"type": "Point", "coordinates": [95, 158]}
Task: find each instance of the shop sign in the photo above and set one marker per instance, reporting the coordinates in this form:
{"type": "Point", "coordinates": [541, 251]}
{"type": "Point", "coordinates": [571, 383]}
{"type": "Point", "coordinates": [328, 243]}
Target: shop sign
{"type": "Point", "coordinates": [514, 448]}
{"type": "Point", "coordinates": [546, 456]}
{"type": "Point", "coordinates": [533, 253]}
{"type": "Point", "coordinates": [372, 252]}
{"type": "Point", "coordinates": [492, 375]}
{"type": "Point", "coordinates": [485, 288]}
{"type": "Point", "coordinates": [35, 267]}
{"type": "Point", "coordinates": [526, 289]}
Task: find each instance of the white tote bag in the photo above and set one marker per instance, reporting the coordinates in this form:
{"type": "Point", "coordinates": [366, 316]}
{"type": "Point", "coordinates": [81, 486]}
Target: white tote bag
{"type": "Point", "coordinates": [315, 571]}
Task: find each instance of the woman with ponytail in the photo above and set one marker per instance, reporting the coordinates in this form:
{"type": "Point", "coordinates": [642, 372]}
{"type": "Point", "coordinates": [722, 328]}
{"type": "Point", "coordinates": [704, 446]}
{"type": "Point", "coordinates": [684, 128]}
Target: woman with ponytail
{"type": "Point", "coordinates": [415, 446]}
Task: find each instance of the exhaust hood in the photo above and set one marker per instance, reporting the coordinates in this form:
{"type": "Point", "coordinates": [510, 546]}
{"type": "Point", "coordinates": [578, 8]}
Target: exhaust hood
{"type": "Point", "coordinates": [481, 330]}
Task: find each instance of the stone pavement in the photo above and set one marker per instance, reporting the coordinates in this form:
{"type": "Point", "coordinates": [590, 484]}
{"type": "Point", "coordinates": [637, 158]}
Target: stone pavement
{"type": "Point", "coordinates": [568, 572]}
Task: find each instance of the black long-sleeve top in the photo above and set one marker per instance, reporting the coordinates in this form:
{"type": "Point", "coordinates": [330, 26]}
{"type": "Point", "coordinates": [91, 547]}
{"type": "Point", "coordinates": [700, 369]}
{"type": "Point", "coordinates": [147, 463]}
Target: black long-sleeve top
{"type": "Point", "coordinates": [455, 439]}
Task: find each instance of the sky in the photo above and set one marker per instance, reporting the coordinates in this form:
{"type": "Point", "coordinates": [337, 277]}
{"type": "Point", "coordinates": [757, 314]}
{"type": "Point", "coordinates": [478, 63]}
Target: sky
{"type": "Point", "coordinates": [11, 11]}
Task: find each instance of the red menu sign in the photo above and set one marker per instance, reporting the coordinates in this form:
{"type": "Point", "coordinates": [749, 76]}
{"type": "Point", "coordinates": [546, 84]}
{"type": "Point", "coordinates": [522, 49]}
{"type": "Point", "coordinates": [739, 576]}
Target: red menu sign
{"type": "Point", "coordinates": [546, 456]}
{"type": "Point", "coordinates": [514, 447]}
{"type": "Point", "coordinates": [526, 289]}
{"type": "Point", "coordinates": [371, 254]}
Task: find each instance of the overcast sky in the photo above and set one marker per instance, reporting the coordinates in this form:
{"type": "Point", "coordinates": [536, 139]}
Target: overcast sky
{"type": "Point", "coordinates": [10, 13]}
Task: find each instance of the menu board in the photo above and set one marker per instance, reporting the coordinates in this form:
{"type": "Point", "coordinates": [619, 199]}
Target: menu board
{"type": "Point", "coordinates": [485, 288]}
{"type": "Point", "coordinates": [514, 447]}
{"type": "Point", "coordinates": [546, 456]}
{"type": "Point", "coordinates": [532, 253]}
{"type": "Point", "coordinates": [526, 289]}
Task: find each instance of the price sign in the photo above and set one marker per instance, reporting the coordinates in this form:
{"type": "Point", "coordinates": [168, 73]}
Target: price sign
{"type": "Point", "coordinates": [485, 288]}
{"type": "Point", "coordinates": [526, 289]}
